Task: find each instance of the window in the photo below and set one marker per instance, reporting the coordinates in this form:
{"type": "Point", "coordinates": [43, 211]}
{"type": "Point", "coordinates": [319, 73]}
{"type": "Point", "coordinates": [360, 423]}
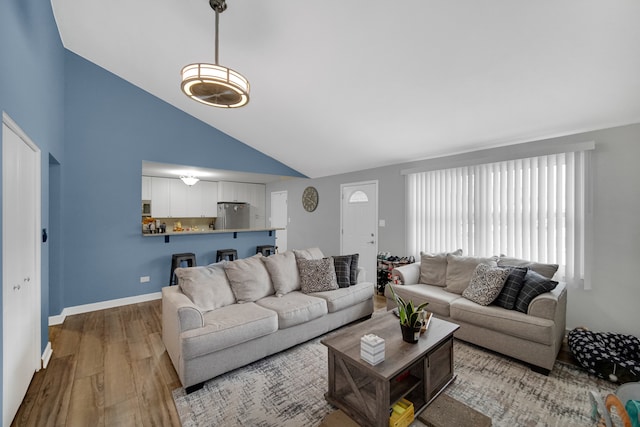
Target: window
{"type": "Point", "coordinates": [533, 208]}
{"type": "Point", "coordinates": [358, 197]}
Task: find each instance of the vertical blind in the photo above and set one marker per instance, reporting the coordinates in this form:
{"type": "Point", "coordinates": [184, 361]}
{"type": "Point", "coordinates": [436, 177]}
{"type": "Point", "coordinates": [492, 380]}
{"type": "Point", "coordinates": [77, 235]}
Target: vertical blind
{"type": "Point", "coordinates": [534, 208]}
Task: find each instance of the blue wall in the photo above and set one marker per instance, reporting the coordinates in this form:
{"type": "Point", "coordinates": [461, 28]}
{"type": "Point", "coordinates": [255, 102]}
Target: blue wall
{"type": "Point", "coordinates": [111, 126]}
{"type": "Point", "coordinates": [31, 93]}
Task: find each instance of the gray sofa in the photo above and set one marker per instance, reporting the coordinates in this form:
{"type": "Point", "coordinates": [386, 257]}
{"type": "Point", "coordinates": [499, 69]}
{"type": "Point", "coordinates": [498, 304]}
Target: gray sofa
{"type": "Point", "coordinates": [224, 316]}
{"type": "Point", "coordinates": [534, 336]}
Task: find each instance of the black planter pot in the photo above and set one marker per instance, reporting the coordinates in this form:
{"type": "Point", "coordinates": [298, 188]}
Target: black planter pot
{"type": "Point", "coordinates": [410, 334]}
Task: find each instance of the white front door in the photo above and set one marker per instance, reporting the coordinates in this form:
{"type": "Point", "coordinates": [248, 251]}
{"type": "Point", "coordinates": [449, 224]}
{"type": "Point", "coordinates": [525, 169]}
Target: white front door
{"type": "Point", "coordinates": [279, 219]}
{"type": "Point", "coordinates": [21, 261]}
{"type": "Point", "coordinates": [359, 221]}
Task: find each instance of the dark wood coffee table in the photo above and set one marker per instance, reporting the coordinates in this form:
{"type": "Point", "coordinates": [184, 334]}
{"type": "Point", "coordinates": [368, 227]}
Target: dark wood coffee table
{"type": "Point", "coordinates": [417, 372]}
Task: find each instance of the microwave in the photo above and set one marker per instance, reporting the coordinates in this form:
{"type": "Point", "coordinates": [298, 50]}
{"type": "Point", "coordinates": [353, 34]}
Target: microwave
{"type": "Point", "coordinates": [146, 208]}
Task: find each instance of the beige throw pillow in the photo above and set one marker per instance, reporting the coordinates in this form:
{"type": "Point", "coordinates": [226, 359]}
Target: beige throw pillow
{"type": "Point", "coordinates": [433, 268]}
{"type": "Point", "coordinates": [461, 268]}
{"type": "Point", "coordinates": [283, 271]}
{"type": "Point", "coordinates": [547, 270]}
{"type": "Point", "coordinates": [311, 253]}
{"type": "Point", "coordinates": [249, 279]}
{"type": "Point", "coordinates": [207, 287]}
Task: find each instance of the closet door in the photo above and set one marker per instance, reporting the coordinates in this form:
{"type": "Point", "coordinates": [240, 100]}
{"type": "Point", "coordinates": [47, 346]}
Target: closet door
{"type": "Point", "coordinates": [20, 272]}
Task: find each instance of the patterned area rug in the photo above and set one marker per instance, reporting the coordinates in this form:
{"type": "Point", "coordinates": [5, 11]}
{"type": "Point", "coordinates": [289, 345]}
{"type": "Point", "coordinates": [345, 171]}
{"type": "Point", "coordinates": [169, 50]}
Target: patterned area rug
{"type": "Point", "coordinates": [287, 389]}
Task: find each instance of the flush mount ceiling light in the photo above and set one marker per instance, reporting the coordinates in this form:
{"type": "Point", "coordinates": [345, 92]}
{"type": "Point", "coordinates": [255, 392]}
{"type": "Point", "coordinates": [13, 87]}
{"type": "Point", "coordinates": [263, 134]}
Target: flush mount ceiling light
{"type": "Point", "coordinates": [213, 84]}
{"type": "Point", "coordinates": [189, 180]}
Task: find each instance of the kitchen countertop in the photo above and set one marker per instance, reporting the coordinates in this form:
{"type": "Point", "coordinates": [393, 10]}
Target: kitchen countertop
{"type": "Point", "coordinates": [179, 233]}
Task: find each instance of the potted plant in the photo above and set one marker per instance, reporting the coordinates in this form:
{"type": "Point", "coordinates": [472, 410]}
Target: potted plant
{"type": "Point", "coordinates": [410, 317]}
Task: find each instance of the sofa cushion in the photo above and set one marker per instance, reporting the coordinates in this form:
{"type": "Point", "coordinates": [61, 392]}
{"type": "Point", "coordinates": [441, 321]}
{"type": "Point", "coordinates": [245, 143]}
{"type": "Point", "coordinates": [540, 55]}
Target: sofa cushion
{"type": "Point", "coordinates": [228, 326]}
{"type": "Point", "coordinates": [342, 266]}
{"type": "Point", "coordinates": [498, 319]}
{"type": "Point", "coordinates": [311, 253]}
{"type": "Point", "coordinates": [346, 297]}
{"type": "Point", "coordinates": [461, 268]}
{"type": "Point", "coordinates": [433, 268]}
{"type": "Point", "coordinates": [486, 284]}
{"type": "Point", "coordinates": [206, 286]}
{"type": "Point", "coordinates": [547, 270]}
{"type": "Point", "coordinates": [317, 275]}
{"type": "Point", "coordinates": [439, 300]}
{"type": "Point", "coordinates": [249, 279]}
{"type": "Point", "coordinates": [534, 284]}
{"type": "Point", "coordinates": [294, 308]}
{"type": "Point", "coordinates": [283, 271]}
{"type": "Point", "coordinates": [512, 287]}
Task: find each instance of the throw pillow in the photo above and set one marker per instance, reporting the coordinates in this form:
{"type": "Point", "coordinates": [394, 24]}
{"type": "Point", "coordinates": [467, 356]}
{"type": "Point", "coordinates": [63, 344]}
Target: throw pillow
{"type": "Point", "coordinates": [283, 271]}
{"type": "Point", "coordinates": [342, 266]}
{"type": "Point", "coordinates": [534, 284]}
{"type": "Point", "coordinates": [311, 253]}
{"type": "Point", "coordinates": [317, 275]}
{"type": "Point", "coordinates": [249, 279]}
{"type": "Point", "coordinates": [547, 270]}
{"type": "Point", "coordinates": [512, 287]}
{"type": "Point", "coordinates": [353, 268]}
{"type": "Point", "coordinates": [433, 268]}
{"type": "Point", "coordinates": [461, 268]}
{"type": "Point", "coordinates": [207, 287]}
{"type": "Point", "coordinates": [486, 284]}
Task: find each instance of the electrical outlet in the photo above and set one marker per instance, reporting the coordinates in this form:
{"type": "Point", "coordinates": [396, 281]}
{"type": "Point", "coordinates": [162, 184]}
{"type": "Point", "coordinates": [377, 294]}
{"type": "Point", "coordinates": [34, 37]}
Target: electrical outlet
{"type": "Point", "coordinates": [144, 279]}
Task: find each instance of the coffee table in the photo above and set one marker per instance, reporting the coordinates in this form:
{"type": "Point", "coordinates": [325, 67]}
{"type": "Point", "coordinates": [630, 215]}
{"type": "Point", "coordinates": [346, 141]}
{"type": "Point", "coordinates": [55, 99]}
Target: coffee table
{"type": "Point", "coordinates": [417, 372]}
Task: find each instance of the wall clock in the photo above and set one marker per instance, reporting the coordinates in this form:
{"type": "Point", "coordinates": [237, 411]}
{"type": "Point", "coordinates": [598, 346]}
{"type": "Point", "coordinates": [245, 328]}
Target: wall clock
{"type": "Point", "coordinates": [310, 199]}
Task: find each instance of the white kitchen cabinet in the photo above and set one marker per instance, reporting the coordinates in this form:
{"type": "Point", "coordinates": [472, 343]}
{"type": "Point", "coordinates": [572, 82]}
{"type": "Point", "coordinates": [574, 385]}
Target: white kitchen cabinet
{"type": "Point", "coordinates": [172, 198]}
{"type": "Point", "coordinates": [209, 198]}
{"type": "Point", "coordinates": [146, 188]}
{"type": "Point", "coordinates": [257, 199]}
{"type": "Point", "coordinates": [232, 192]}
{"type": "Point", "coordinates": [160, 197]}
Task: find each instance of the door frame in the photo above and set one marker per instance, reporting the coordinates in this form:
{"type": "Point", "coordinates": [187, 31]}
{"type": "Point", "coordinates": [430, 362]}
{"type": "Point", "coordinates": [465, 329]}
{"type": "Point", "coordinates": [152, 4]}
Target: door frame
{"type": "Point", "coordinates": [352, 184]}
{"type": "Point", "coordinates": [36, 291]}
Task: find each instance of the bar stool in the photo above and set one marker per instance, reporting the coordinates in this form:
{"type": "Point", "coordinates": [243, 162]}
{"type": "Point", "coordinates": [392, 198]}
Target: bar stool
{"type": "Point", "coordinates": [177, 260]}
{"type": "Point", "coordinates": [228, 254]}
{"type": "Point", "coordinates": [266, 250]}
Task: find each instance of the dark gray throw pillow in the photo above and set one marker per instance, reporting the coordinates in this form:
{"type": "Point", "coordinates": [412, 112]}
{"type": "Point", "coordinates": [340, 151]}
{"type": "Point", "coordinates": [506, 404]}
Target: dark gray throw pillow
{"type": "Point", "coordinates": [353, 268]}
{"type": "Point", "coordinates": [342, 265]}
{"type": "Point", "coordinates": [534, 284]}
{"type": "Point", "coordinates": [512, 287]}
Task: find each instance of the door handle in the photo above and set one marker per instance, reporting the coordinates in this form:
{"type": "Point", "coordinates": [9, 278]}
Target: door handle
{"type": "Point", "coordinates": [372, 242]}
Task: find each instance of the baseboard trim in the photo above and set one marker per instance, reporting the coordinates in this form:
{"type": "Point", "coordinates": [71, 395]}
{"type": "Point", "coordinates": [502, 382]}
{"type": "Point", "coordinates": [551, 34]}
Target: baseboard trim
{"type": "Point", "coordinates": [46, 355]}
{"type": "Point", "coordinates": [86, 308]}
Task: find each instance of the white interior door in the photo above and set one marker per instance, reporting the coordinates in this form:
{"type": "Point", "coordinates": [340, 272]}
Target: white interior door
{"type": "Point", "coordinates": [279, 218]}
{"type": "Point", "coordinates": [21, 261]}
{"type": "Point", "coordinates": [359, 223]}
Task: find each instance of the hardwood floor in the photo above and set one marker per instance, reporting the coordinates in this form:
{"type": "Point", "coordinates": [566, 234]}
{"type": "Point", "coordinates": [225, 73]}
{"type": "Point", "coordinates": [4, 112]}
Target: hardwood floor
{"type": "Point", "coordinates": [109, 368]}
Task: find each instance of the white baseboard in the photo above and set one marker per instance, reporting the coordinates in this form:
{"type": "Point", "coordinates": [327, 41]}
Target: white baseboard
{"type": "Point", "coordinates": [86, 308]}
{"type": "Point", "coordinates": [46, 355]}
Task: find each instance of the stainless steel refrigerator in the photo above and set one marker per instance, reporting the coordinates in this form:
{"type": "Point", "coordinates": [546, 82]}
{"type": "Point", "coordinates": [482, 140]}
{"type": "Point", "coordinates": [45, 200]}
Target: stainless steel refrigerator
{"type": "Point", "coordinates": [233, 215]}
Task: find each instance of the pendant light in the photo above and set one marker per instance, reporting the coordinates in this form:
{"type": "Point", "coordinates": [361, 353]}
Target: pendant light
{"type": "Point", "coordinates": [213, 84]}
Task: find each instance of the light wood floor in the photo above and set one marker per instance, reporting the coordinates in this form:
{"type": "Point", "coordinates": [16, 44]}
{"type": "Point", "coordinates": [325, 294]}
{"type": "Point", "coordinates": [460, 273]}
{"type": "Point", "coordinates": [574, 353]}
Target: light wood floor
{"type": "Point", "coordinates": [110, 368]}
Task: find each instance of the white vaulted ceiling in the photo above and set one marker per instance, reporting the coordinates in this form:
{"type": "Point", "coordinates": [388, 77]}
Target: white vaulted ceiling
{"type": "Point", "coordinates": [339, 86]}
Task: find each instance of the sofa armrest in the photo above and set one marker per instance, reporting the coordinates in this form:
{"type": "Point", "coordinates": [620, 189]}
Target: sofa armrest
{"type": "Point", "coordinates": [408, 274]}
{"type": "Point", "coordinates": [180, 310]}
{"type": "Point", "coordinates": [550, 304]}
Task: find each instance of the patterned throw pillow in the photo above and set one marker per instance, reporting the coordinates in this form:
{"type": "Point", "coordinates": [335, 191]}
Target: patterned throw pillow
{"type": "Point", "coordinates": [352, 272]}
{"type": "Point", "coordinates": [342, 265]}
{"type": "Point", "coordinates": [317, 275]}
{"type": "Point", "coordinates": [534, 284]}
{"type": "Point", "coordinates": [486, 284]}
{"type": "Point", "coordinates": [512, 287]}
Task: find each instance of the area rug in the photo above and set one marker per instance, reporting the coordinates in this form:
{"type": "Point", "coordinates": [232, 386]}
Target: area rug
{"type": "Point", "coordinates": [287, 389]}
